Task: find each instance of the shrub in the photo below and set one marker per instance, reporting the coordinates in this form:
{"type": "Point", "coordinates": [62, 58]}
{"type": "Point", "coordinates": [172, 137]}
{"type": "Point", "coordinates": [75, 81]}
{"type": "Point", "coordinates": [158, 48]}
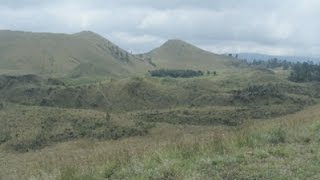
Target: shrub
{"type": "Point", "coordinates": [111, 168]}
{"type": "Point", "coordinates": [68, 174]}
{"type": "Point", "coordinates": [175, 73]}
{"type": "Point", "coordinates": [277, 135]}
{"type": "Point", "coordinates": [25, 145]}
{"type": "Point", "coordinates": [4, 137]}
{"type": "Point", "coordinates": [1, 105]}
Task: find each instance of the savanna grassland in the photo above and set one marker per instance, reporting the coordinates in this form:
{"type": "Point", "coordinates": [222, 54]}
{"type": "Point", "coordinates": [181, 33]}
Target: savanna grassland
{"type": "Point", "coordinates": [105, 116]}
{"type": "Point", "coordinates": [279, 148]}
{"type": "Point", "coordinates": [244, 127]}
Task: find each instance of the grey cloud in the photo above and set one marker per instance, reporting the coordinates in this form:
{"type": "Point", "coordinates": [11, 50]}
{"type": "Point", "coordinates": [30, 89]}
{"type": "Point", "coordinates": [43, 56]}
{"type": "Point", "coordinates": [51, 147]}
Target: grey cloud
{"type": "Point", "coordinates": [164, 4]}
{"type": "Point", "coordinates": [287, 26]}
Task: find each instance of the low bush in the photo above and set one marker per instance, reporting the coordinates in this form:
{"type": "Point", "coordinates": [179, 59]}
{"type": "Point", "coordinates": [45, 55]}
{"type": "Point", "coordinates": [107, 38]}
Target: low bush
{"type": "Point", "coordinates": [277, 135]}
{"type": "Point", "coordinates": [175, 73]}
{"type": "Point", "coordinates": [1, 105]}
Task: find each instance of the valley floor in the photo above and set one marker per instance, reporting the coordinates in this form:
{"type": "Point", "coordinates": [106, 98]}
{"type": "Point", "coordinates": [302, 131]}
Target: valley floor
{"type": "Point", "coordinates": [286, 147]}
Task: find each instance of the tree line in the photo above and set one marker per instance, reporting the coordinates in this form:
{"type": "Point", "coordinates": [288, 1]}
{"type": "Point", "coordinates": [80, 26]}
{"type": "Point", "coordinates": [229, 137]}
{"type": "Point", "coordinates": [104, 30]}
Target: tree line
{"type": "Point", "coordinates": [271, 63]}
{"type": "Point", "coordinates": [300, 71]}
{"type": "Point", "coordinates": [305, 72]}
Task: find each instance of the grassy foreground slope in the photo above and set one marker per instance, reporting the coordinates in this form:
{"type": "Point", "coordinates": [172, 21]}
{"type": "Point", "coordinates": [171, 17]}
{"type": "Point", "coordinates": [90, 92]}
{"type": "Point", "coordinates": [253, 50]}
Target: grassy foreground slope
{"type": "Point", "coordinates": [281, 148]}
{"type": "Point", "coordinates": [29, 128]}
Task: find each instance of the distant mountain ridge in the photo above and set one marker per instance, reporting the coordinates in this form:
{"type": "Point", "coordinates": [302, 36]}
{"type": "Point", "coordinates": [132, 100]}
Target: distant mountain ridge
{"type": "Point", "coordinates": [265, 57]}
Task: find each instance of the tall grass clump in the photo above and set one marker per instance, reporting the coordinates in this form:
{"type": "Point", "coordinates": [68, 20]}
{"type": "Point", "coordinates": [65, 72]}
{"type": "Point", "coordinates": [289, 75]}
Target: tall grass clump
{"type": "Point", "coordinates": [277, 135]}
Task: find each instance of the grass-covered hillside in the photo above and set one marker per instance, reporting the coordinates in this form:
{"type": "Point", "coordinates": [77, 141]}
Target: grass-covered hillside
{"type": "Point", "coordinates": [87, 55]}
{"type": "Point", "coordinates": [175, 54]}
{"type": "Point", "coordinates": [253, 89]}
{"type": "Point", "coordinates": [75, 55]}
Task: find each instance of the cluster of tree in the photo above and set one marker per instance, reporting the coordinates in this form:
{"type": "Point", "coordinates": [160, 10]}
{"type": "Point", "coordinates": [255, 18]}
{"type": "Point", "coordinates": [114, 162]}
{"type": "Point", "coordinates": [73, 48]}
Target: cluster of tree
{"type": "Point", "coordinates": [300, 71]}
{"type": "Point", "coordinates": [271, 63]}
{"type": "Point", "coordinates": [305, 72]}
{"type": "Point", "coordinates": [175, 73]}
{"type": "Point", "coordinates": [213, 73]}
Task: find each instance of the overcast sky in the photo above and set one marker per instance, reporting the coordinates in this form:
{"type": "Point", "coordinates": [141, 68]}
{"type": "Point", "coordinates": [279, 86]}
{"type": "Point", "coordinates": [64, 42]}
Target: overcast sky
{"type": "Point", "coordinates": [279, 27]}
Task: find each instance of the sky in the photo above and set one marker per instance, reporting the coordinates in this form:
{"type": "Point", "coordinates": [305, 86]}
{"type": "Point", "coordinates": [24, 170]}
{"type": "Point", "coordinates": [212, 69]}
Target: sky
{"type": "Point", "coordinates": [276, 27]}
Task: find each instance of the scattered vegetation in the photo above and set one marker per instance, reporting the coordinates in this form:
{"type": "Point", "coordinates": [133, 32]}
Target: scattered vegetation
{"type": "Point", "coordinates": [267, 94]}
{"type": "Point", "coordinates": [52, 125]}
{"type": "Point", "coordinates": [224, 116]}
{"type": "Point", "coordinates": [175, 73]}
{"type": "Point", "coordinates": [285, 147]}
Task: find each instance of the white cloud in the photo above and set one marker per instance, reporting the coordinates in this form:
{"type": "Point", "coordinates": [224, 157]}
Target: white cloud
{"type": "Point", "coordinates": [239, 47]}
{"type": "Point", "coordinates": [137, 39]}
{"type": "Point", "coordinates": [276, 27]}
{"type": "Point", "coordinates": [134, 42]}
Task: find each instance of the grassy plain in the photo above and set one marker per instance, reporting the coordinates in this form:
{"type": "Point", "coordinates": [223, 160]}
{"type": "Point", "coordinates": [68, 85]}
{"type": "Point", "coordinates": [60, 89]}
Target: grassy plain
{"type": "Point", "coordinates": [249, 124]}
